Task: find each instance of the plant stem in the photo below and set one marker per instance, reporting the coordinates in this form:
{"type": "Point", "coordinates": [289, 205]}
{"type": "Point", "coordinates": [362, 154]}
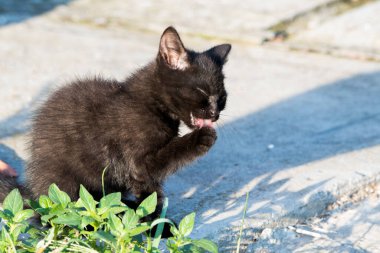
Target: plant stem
{"type": "Point", "coordinates": [242, 223]}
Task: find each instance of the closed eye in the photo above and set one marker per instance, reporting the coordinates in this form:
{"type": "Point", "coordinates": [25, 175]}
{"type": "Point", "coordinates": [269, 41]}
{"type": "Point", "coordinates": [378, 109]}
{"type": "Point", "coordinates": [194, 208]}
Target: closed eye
{"type": "Point", "coordinates": [202, 91]}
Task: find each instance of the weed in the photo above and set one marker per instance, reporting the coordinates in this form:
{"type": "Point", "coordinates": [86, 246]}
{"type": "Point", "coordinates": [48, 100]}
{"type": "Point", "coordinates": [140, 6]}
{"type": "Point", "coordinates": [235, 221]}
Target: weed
{"type": "Point", "coordinates": [89, 226]}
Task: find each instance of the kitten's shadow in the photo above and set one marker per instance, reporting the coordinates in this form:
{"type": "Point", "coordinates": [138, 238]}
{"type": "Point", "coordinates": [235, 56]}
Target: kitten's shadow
{"type": "Point", "coordinates": [333, 119]}
{"type": "Point", "coordinates": [10, 157]}
{"type": "Point", "coordinates": [18, 124]}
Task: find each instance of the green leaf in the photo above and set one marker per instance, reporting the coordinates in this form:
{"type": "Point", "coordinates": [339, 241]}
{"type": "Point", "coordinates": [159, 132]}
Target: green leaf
{"type": "Point", "coordinates": [70, 219]}
{"type": "Point", "coordinates": [92, 215]}
{"type": "Point", "coordinates": [58, 196]}
{"type": "Point", "coordinates": [174, 231]}
{"type": "Point", "coordinates": [18, 229]}
{"type": "Point", "coordinates": [115, 223]}
{"type": "Point", "coordinates": [191, 248]}
{"type": "Point", "coordinates": [118, 209]}
{"type": "Point", "coordinates": [147, 206]}
{"type": "Point", "coordinates": [186, 225]}
{"type": "Point", "coordinates": [87, 200]}
{"type": "Point", "coordinates": [13, 202]}
{"type": "Point", "coordinates": [34, 232]}
{"type": "Point", "coordinates": [130, 219]}
{"type": "Point", "coordinates": [57, 210]}
{"type": "Point", "coordinates": [45, 201]}
{"type": "Point", "coordinates": [2, 234]}
{"type": "Point", "coordinates": [206, 245]}
{"type": "Point", "coordinates": [7, 236]}
{"type": "Point", "coordinates": [47, 217]}
{"type": "Point", "coordinates": [161, 220]}
{"type": "Point", "coordinates": [115, 210]}
{"type": "Point", "coordinates": [171, 244]}
{"type": "Point", "coordinates": [112, 199]}
{"type": "Point", "coordinates": [102, 210]}
{"type": "Point", "coordinates": [23, 215]}
{"type": "Point", "coordinates": [32, 203]}
{"type": "Point", "coordinates": [86, 221]}
{"type": "Point", "coordinates": [79, 203]}
{"type": "Point", "coordinates": [105, 236]}
{"type": "Point", "coordinates": [137, 230]}
{"type": "Point", "coordinates": [6, 215]}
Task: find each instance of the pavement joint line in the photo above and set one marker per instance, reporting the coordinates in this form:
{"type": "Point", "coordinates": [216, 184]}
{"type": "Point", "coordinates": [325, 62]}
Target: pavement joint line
{"type": "Point", "coordinates": [299, 22]}
{"type": "Point", "coordinates": [284, 30]}
{"type": "Point", "coordinates": [334, 52]}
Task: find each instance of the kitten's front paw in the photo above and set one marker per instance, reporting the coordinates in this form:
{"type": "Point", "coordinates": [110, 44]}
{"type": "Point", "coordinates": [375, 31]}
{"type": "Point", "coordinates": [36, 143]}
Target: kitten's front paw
{"type": "Point", "coordinates": [205, 138]}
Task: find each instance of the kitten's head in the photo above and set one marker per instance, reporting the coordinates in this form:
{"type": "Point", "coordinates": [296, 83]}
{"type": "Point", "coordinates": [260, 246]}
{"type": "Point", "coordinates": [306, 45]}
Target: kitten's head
{"type": "Point", "coordinates": [192, 83]}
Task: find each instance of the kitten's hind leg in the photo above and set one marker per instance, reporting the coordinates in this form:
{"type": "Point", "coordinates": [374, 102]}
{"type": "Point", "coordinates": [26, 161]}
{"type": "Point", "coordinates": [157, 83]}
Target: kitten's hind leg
{"type": "Point", "coordinates": [142, 191]}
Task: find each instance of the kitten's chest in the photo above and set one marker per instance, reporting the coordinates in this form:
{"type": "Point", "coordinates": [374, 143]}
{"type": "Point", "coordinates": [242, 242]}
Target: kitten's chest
{"type": "Point", "coordinates": [167, 127]}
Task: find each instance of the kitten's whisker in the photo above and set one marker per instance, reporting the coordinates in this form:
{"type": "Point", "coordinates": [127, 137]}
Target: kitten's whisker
{"type": "Point", "coordinates": [224, 134]}
{"type": "Point", "coordinates": [222, 114]}
{"type": "Point", "coordinates": [231, 131]}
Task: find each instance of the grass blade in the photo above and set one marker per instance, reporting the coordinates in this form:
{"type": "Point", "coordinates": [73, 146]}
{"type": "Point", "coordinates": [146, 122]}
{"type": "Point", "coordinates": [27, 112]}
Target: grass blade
{"type": "Point", "coordinates": [160, 227]}
{"type": "Point", "coordinates": [103, 173]}
{"type": "Point", "coordinates": [242, 223]}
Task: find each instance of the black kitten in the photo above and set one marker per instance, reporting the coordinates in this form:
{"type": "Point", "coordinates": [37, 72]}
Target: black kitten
{"type": "Point", "coordinates": [129, 126]}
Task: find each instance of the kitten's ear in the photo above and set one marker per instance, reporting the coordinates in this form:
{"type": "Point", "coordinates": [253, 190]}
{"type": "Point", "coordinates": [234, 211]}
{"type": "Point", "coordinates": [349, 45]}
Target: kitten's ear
{"type": "Point", "coordinates": [221, 52]}
{"type": "Point", "coordinates": [172, 49]}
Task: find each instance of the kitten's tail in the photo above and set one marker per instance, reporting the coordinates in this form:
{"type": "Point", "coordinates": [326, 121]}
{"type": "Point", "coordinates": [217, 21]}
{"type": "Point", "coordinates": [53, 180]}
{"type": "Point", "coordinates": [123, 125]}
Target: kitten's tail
{"type": "Point", "coordinates": [7, 184]}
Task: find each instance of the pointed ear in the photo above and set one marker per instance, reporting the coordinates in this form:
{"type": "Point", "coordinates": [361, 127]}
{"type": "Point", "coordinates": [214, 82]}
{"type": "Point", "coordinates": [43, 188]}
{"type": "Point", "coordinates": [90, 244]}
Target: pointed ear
{"type": "Point", "coordinates": [220, 52]}
{"type": "Point", "coordinates": [172, 50]}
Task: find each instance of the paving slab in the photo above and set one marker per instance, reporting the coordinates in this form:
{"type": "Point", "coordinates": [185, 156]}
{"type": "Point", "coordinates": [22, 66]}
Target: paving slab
{"type": "Point", "coordinates": [355, 33]}
{"type": "Point", "coordinates": [299, 130]}
{"type": "Point", "coordinates": [242, 20]}
{"type": "Point", "coordinates": [351, 224]}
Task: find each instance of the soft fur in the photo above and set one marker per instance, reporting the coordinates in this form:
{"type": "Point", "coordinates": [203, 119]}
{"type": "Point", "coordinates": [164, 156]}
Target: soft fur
{"type": "Point", "coordinates": [130, 126]}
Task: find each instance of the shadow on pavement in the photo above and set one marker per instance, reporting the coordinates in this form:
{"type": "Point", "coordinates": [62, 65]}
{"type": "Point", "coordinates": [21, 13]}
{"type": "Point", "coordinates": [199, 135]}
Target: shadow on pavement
{"type": "Point", "coordinates": [330, 120]}
{"type": "Point", "coordinates": [13, 11]}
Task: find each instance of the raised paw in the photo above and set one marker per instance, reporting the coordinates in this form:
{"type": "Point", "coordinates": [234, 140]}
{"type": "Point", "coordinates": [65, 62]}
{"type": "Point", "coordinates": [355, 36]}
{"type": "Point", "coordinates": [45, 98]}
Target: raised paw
{"type": "Point", "coordinates": [205, 138]}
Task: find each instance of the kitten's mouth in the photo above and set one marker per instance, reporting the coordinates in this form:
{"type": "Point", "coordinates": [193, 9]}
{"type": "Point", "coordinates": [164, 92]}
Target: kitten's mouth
{"type": "Point", "coordinates": [199, 122]}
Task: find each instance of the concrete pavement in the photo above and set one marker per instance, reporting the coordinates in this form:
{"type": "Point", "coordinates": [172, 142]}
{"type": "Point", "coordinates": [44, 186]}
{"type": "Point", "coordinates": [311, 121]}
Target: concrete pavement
{"type": "Point", "coordinates": [300, 131]}
{"type": "Point", "coordinates": [353, 34]}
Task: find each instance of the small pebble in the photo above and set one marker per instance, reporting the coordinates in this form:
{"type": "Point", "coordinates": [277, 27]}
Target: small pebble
{"type": "Point", "coordinates": [266, 233]}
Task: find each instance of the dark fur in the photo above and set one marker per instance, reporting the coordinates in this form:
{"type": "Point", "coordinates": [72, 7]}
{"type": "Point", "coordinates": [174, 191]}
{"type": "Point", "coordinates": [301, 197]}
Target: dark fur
{"type": "Point", "coordinates": [129, 126]}
{"type": "Point", "coordinates": [7, 183]}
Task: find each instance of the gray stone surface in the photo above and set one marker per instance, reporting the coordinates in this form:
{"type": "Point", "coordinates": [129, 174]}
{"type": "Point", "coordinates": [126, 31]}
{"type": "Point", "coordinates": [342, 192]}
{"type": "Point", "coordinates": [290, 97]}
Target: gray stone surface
{"type": "Point", "coordinates": [355, 34]}
{"type": "Point", "coordinates": [348, 225]}
{"type": "Point", "coordinates": [299, 131]}
{"type": "Point", "coordinates": [233, 20]}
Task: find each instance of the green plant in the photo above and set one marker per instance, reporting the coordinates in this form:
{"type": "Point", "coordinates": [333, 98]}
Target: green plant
{"type": "Point", "coordinates": [242, 223]}
{"type": "Point", "coordinates": [86, 225]}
